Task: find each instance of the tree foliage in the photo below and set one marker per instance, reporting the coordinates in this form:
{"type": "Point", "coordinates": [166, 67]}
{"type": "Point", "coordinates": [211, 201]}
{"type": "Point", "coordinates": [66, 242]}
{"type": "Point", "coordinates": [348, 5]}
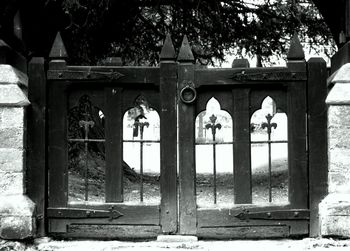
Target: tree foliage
{"type": "Point", "coordinates": [135, 29]}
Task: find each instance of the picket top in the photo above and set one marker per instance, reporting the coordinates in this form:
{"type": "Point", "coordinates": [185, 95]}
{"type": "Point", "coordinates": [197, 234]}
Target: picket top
{"type": "Point", "coordinates": [185, 54]}
{"type": "Point", "coordinates": [296, 51]}
{"type": "Point", "coordinates": [168, 51]}
{"type": "Point", "coordinates": [58, 50]}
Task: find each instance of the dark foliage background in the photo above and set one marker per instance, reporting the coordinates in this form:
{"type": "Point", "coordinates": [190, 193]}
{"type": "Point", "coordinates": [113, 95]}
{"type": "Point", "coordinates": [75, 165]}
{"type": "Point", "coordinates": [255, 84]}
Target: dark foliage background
{"type": "Point", "coordinates": [135, 29]}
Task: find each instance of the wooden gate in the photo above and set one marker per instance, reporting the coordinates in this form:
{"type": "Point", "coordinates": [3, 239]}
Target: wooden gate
{"type": "Point", "coordinates": [97, 115]}
{"type": "Point", "coordinates": [88, 110]}
{"type": "Point", "coordinates": [241, 92]}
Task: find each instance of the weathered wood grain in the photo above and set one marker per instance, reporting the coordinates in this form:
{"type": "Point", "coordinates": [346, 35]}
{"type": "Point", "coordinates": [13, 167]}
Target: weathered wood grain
{"type": "Point", "coordinates": [168, 144]}
{"type": "Point", "coordinates": [57, 147]}
{"type": "Point", "coordinates": [317, 135]}
{"type": "Point", "coordinates": [36, 173]}
{"type": "Point", "coordinates": [241, 148]}
{"type": "Point", "coordinates": [114, 145]}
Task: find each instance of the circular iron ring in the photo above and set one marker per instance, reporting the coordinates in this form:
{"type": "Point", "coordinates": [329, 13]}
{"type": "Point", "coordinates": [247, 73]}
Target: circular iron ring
{"type": "Point", "coordinates": [188, 94]}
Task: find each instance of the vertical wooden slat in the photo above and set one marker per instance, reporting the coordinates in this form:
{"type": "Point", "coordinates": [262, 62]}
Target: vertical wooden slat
{"type": "Point", "coordinates": [36, 176]}
{"type": "Point", "coordinates": [186, 120]}
{"type": "Point", "coordinates": [297, 158]}
{"type": "Point", "coordinates": [168, 136]}
{"type": "Point", "coordinates": [297, 112]}
{"type": "Point", "coordinates": [57, 132]}
{"type": "Point", "coordinates": [317, 138]}
{"type": "Point", "coordinates": [57, 150]}
{"type": "Point", "coordinates": [114, 145]}
{"type": "Point", "coordinates": [241, 149]}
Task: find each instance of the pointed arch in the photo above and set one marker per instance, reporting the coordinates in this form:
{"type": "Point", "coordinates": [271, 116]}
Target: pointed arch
{"type": "Point", "coordinates": [269, 153]}
{"type": "Point", "coordinates": [213, 108]}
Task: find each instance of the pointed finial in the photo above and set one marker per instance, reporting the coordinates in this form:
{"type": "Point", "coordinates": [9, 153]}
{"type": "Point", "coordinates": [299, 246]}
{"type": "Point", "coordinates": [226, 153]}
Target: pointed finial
{"type": "Point", "coordinates": [168, 51]}
{"type": "Point", "coordinates": [296, 51]}
{"type": "Point", "coordinates": [185, 54]}
{"type": "Point", "coordinates": [58, 49]}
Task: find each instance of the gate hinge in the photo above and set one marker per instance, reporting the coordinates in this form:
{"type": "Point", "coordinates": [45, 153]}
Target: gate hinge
{"type": "Point", "coordinates": [271, 75]}
{"type": "Point", "coordinates": [87, 74]}
{"type": "Point", "coordinates": [290, 214]}
{"type": "Point", "coordinates": [81, 213]}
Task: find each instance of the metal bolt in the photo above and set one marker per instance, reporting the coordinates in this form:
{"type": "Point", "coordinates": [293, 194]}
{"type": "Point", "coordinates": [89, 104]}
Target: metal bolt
{"type": "Point", "coordinates": [88, 213]}
{"type": "Point", "coordinates": [296, 214]}
{"type": "Point", "coordinates": [60, 74]}
{"type": "Point", "coordinates": [268, 215]}
{"type": "Point", "coordinates": [294, 75]}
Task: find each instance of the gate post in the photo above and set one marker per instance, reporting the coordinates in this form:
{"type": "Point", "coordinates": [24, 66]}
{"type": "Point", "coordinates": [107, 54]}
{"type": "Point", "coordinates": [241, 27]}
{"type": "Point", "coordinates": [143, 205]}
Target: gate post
{"type": "Point", "coordinates": [297, 109]}
{"type": "Point", "coordinates": [168, 139]}
{"type": "Point", "coordinates": [186, 115]}
{"type": "Point", "coordinates": [36, 147]}
{"type": "Point", "coordinates": [317, 138]}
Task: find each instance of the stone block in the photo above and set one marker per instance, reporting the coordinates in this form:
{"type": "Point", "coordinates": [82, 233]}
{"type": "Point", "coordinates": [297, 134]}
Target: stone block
{"type": "Point", "coordinates": [11, 117]}
{"type": "Point", "coordinates": [338, 137]}
{"type": "Point", "coordinates": [11, 160]}
{"type": "Point", "coordinates": [338, 182]}
{"type": "Point", "coordinates": [17, 219]}
{"type": "Point", "coordinates": [12, 138]}
{"type": "Point", "coordinates": [16, 205]}
{"type": "Point", "coordinates": [12, 95]}
{"type": "Point", "coordinates": [339, 116]}
{"type": "Point", "coordinates": [10, 75]}
{"type": "Point", "coordinates": [17, 227]}
{"type": "Point", "coordinates": [334, 212]}
{"type": "Point", "coordinates": [339, 95]}
{"type": "Point", "coordinates": [11, 183]}
{"type": "Point", "coordinates": [177, 238]}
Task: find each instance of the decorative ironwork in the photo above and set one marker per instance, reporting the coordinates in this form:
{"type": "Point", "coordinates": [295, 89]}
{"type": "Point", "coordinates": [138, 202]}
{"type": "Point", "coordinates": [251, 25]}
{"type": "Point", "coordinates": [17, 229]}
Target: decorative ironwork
{"type": "Point", "coordinates": [269, 127]}
{"type": "Point", "coordinates": [114, 214]}
{"type": "Point", "coordinates": [81, 213]}
{"type": "Point", "coordinates": [140, 123]}
{"type": "Point", "coordinates": [138, 114]}
{"type": "Point", "coordinates": [280, 75]}
{"type": "Point", "coordinates": [84, 74]}
{"type": "Point", "coordinates": [86, 125]}
{"type": "Point", "coordinates": [214, 126]}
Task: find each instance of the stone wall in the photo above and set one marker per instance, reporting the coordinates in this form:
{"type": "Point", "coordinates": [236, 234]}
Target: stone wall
{"type": "Point", "coordinates": [16, 209]}
{"type": "Point", "coordinates": [335, 208]}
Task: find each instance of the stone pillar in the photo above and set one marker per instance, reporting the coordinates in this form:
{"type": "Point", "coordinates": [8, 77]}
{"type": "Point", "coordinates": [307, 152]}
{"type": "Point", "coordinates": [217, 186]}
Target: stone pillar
{"type": "Point", "coordinates": [334, 210]}
{"type": "Point", "coordinates": [16, 209]}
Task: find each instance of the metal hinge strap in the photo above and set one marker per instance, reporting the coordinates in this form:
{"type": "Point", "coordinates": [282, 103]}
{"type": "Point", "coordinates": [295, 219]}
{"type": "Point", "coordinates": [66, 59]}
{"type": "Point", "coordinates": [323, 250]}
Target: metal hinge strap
{"type": "Point", "coordinates": [290, 214]}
